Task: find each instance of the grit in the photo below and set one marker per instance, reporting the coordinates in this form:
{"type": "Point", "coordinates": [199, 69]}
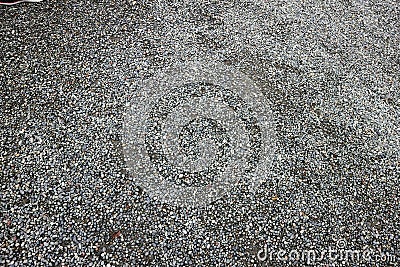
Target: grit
{"type": "Point", "coordinates": [69, 71]}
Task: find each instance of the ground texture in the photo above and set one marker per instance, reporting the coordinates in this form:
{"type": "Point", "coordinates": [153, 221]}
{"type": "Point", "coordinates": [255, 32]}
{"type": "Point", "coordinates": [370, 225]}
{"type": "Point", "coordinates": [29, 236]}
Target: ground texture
{"type": "Point", "coordinates": [329, 71]}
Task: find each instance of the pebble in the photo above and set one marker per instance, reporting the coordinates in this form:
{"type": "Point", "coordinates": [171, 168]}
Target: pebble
{"type": "Point", "coordinates": [330, 72]}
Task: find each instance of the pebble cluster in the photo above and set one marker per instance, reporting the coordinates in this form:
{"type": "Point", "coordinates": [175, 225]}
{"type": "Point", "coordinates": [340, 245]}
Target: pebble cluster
{"type": "Point", "coordinates": [330, 72]}
{"type": "Point", "coordinates": [194, 131]}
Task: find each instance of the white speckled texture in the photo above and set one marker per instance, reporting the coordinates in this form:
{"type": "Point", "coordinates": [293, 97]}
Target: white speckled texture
{"type": "Point", "coordinates": [328, 69]}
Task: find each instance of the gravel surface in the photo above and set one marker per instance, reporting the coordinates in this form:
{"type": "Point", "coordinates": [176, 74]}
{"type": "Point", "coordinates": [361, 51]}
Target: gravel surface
{"type": "Point", "coordinates": [69, 74]}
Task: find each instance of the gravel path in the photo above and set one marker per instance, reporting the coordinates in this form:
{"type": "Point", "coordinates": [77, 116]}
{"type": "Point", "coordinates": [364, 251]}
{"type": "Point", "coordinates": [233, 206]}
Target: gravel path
{"type": "Point", "coordinates": [329, 74]}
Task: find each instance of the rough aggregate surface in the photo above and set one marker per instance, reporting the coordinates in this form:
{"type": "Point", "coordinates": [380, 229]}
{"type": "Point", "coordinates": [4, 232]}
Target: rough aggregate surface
{"type": "Point", "coordinates": [330, 71]}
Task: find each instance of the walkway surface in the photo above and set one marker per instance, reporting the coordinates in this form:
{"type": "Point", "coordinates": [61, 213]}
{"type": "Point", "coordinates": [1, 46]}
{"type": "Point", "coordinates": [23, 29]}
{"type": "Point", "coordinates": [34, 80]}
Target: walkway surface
{"type": "Point", "coordinates": [200, 133]}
